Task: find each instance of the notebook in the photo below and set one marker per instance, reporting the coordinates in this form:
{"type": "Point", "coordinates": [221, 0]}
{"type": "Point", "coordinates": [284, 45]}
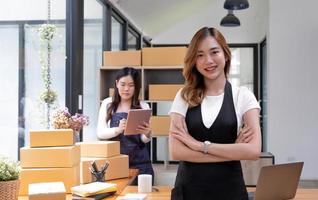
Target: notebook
{"type": "Point", "coordinates": [94, 188]}
{"type": "Point", "coordinates": [277, 182]}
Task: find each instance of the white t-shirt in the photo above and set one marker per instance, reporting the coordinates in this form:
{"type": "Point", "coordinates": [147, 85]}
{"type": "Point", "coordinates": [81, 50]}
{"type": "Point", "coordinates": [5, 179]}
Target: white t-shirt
{"type": "Point", "coordinates": [103, 128]}
{"type": "Point", "coordinates": [243, 99]}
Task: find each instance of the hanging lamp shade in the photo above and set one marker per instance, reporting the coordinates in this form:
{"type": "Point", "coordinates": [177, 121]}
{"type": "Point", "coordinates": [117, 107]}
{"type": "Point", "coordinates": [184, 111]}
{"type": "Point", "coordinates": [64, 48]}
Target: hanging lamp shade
{"type": "Point", "coordinates": [236, 4]}
{"type": "Point", "coordinates": [230, 20]}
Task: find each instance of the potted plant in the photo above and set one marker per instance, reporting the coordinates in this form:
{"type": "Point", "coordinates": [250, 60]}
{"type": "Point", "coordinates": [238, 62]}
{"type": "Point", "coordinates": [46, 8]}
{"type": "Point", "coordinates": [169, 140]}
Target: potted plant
{"type": "Point", "coordinates": [9, 179]}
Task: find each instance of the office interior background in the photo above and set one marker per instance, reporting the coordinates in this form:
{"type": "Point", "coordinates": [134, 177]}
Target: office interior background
{"type": "Point", "coordinates": [282, 36]}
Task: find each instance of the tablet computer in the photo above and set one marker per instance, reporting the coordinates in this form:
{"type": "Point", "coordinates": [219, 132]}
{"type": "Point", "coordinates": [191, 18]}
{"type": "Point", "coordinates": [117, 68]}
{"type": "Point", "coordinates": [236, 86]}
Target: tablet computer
{"type": "Point", "coordinates": [135, 118]}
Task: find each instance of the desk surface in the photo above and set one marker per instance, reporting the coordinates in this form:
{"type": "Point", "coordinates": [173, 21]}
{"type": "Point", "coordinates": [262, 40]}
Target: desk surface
{"type": "Point", "coordinates": [158, 192]}
{"type": "Point", "coordinates": [302, 194]}
{"type": "Point", "coordinates": [121, 185]}
{"type": "Point", "coordinates": [164, 192]}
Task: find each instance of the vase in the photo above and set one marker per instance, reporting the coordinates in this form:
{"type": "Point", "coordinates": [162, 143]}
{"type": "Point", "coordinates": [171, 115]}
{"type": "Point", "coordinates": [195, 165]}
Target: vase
{"type": "Point", "coordinates": [77, 136]}
{"type": "Point", "coordinates": [9, 190]}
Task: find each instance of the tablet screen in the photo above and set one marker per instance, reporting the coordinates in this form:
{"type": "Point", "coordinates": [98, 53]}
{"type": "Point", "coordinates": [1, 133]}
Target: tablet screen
{"type": "Point", "coordinates": [135, 118]}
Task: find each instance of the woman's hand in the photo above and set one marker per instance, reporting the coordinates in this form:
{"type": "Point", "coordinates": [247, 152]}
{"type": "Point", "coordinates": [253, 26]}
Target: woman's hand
{"type": "Point", "coordinates": [144, 129]}
{"type": "Point", "coordinates": [188, 140]}
{"type": "Point", "coordinates": [245, 135]}
{"type": "Point", "coordinates": [121, 127]}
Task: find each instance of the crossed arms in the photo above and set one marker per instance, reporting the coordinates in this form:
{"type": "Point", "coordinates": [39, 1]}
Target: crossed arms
{"type": "Point", "coordinates": [184, 147]}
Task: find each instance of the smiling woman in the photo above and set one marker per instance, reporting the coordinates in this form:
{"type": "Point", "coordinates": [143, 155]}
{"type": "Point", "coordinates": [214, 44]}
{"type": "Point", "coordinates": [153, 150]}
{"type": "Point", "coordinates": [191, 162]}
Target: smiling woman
{"type": "Point", "coordinates": [205, 119]}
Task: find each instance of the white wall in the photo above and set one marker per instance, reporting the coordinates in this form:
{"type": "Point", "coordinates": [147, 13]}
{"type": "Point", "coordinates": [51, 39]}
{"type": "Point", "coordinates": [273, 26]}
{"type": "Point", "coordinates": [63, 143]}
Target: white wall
{"type": "Point", "coordinates": [15, 10]}
{"type": "Point", "coordinates": [252, 30]}
{"type": "Point", "coordinates": [292, 75]}
{"type": "Point", "coordinates": [31, 10]}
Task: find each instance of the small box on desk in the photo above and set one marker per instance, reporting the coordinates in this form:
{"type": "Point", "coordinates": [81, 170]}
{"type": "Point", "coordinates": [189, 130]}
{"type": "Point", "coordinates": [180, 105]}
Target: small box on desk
{"type": "Point", "coordinates": [51, 137]}
{"type": "Point", "coordinates": [160, 125]}
{"type": "Point", "coordinates": [47, 191]}
{"type": "Point", "coordinates": [69, 176]}
{"type": "Point", "coordinates": [163, 56]}
{"type": "Point", "coordinates": [101, 149]}
{"type": "Point", "coordinates": [66, 156]}
{"type": "Point", "coordinates": [118, 167]}
{"type": "Point", "coordinates": [122, 58]}
{"type": "Point", "coordinates": [163, 92]}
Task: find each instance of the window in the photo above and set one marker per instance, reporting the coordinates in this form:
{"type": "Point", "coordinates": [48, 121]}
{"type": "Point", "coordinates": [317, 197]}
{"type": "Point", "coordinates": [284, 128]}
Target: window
{"type": "Point", "coordinates": [242, 67]}
{"type": "Point", "coordinates": [132, 40]}
{"type": "Point", "coordinates": [93, 30]}
{"type": "Point", "coordinates": [9, 85]}
{"type": "Point", "coordinates": [34, 109]}
{"type": "Point", "coordinates": [116, 34]}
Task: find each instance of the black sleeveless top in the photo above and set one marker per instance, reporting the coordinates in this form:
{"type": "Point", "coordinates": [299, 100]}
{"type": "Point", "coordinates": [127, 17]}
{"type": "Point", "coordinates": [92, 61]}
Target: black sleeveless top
{"type": "Point", "coordinates": [220, 180]}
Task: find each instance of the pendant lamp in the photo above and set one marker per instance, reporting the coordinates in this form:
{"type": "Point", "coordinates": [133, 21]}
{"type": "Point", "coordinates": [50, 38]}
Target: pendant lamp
{"type": "Point", "coordinates": [236, 4]}
{"type": "Point", "coordinates": [230, 20]}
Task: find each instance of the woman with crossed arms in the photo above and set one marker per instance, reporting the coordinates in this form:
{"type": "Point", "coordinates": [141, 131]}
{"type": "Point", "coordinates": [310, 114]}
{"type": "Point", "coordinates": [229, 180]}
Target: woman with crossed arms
{"type": "Point", "coordinates": [205, 119]}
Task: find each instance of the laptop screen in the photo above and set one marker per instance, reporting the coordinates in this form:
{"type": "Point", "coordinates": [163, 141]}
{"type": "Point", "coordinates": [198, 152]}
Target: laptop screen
{"type": "Point", "coordinates": [278, 181]}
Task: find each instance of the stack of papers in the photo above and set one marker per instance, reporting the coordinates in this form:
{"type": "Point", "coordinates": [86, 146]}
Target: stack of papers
{"type": "Point", "coordinates": [133, 196]}
{"type": "Point", "coordinates": [94, 188]}
{"type": "Point", "coordinates": [48, 190]}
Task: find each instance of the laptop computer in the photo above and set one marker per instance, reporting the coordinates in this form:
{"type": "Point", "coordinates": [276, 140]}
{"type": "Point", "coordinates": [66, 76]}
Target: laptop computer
{"type": "Point", "coordinates": [277, 182]}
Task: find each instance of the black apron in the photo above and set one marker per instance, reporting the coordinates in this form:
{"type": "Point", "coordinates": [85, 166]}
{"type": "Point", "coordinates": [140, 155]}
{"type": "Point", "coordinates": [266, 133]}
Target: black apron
{"type": "Point", "coordinates": [134, 147]}
{"type": "Point", "coordinates": [217, 181]}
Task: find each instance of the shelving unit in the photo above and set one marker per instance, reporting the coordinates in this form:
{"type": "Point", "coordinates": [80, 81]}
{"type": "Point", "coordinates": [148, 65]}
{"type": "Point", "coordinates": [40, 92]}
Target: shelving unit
{"type": "Point", "coordinates": [164, 67]}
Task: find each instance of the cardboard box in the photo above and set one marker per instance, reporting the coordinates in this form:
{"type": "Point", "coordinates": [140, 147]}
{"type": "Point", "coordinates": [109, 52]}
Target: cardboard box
{"type": "Point", "coordinates": [163, 56]}
{"type": "Point", "coordinates": [163, 92]}
{"type": "Point", "coordinates": [160, 125]}
{"type": "Point", "coordinates": [122, 58]}
{"type": "Point", "coordinates": [67, 156]}
{"type": "Point", "coordinates": [101, 149]}
{"type": "Point", "coordinates": [69, 176]}
{"type": "Point", "coordinates": [118, 168]}
{"type": "Point", "coordinates": [47, 191]}
{"type": "Point", "coordinates": [111, 92]}
{"type": "Point", "coordinates": [51, 137]}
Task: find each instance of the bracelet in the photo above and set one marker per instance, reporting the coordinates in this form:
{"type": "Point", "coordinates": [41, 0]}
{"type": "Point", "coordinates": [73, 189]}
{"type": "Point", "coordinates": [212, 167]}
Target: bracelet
{"type": "Point", "coordinates": [206, 146]}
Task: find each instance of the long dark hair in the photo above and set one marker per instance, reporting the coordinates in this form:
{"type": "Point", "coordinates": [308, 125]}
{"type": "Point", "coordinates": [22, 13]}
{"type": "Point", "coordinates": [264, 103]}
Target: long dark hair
{"type": "Point", "coordinates": [135, 104]}
{"type": "Point", "coordinates": [193, 92]}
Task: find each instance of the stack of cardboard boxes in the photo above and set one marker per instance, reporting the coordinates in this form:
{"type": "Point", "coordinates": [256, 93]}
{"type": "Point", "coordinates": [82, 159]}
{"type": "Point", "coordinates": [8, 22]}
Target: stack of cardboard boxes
{"type": "Point", "coordinates": [101, 152]}
{"type": "Point", "coordinates": [51, 157]}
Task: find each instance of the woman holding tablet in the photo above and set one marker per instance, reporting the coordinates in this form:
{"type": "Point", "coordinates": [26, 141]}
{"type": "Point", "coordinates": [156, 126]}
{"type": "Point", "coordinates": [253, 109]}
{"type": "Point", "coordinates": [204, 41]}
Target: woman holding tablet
{"type": "Point", "coordinates": [112, 120]}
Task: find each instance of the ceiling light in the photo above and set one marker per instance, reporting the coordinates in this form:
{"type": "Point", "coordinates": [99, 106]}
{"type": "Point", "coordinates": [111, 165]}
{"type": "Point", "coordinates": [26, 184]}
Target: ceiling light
{"type": "Point", "coordinates": [236, 4]}
{"type": "Point", "coordinates": [230, 20]}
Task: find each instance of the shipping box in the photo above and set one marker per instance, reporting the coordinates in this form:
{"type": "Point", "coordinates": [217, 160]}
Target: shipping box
{"type": "Point", "coordinates": [69, 176]}
{"type": "Point", "coordinates": [67, 156]}
{"type": "Point", "coordinates": [160, 125]}
{"type": "Point", "coordinates": [163, 92]}
{"type": "Point", "coordinates": [122, 58]}
{"type": "Point", "coordinates": [101, 149]}
{"type": "Point", "coordinates": [118, 168]}
{"type": "Point", "coordinates": [163, 56]}
{"type": "Point", "coordinates": [51, 137]}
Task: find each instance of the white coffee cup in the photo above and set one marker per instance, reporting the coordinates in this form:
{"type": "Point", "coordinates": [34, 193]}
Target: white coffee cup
{"type": "Point", "coordinates": [144, 183]}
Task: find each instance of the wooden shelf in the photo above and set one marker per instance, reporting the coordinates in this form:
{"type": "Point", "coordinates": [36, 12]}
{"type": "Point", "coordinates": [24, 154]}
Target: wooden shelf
{"type": "Point", "coordinates": [163, 67]}
{"type": "Point", "coordinates": [142, 67]}
{"type": "Point", "coordinates": [118, 67]}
